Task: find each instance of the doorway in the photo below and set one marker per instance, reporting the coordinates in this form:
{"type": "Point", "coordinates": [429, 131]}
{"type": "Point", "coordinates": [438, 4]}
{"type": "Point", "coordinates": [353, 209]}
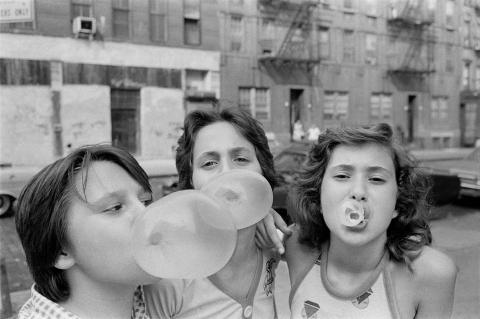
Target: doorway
{"type": "Point", "coordinates": [411, 107]}
{"type": "Point", "coordinates": [295, 114]}
{"type": "Point", "coordinates": [125, 105]}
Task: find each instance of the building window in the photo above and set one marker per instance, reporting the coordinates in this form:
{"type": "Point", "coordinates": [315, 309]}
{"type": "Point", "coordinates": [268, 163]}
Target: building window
{"type": "Point", "coordinates": [121, 18]}
{"type": "Point", "coordinates": [381, 107]}
{"type": "Point", "coordinates": [81, 8]}
{"type": "Point", "coordinates": [158, 20]}
{"type": "Point", "coordinates": [466, 75]}
{"type": "Point", "coordinates": [449, 13]}
{"type": "Point", "coordinates": [371, 49]}
{"type": "Point", "coordinates": [467, 33]}
{"type": "Point", "coordinates": [348, 4]}
{"type": "Point", "coordinates": [335, 107]}
{"type": "Point", "coordinates": [191, 22]}
{"type": "Point", "coordinates": [236, 33]}
{"type": "Point", "coordinates": [349, 17]}
{"type": "Point", "coordinates": [195, 80]}
{"type": "Point", "coordinates": [348, 46]}
{"type": "Point", "coordinates": [449, 66]}
{"type": "Point", "coordinates": [125, 106]}
{"type": "Point", "coordinates": [439, 109]}
{"type": "Point", "coordinates": [477, 78]}
{"type": "Point", "coordinates": [256, 101]}
{"type": "Point", "coordinates": [372, 21]}
{"type": "Point", "coordinates": [324, 42]}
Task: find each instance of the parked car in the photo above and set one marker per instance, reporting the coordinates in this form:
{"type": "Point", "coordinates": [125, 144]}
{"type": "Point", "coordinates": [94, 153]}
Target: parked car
{"type": "Point", "coordinates": [289, 163]}
{"type": "Point", "coordinates": [466, 169]}
{"type": "Point", "coordinates": [162, 174]}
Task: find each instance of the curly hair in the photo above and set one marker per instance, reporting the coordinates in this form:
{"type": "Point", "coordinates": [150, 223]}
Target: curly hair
{"type": "Point", "coordinates": [43, 205]}
{"type": "Point", "coordinates": [407, 233]}
{"type": "Point", "coordinates": [246, 125]}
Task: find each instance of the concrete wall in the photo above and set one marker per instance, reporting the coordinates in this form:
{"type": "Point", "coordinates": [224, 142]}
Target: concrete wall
{"type": "Point", "coordinates": [85, 115]}
{"type": "Point", "coordinates": [161, 119]}
{"type": "Point", "coordinates": [26, 125]}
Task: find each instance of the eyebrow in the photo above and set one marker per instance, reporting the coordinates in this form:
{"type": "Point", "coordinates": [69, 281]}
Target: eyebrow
{"type": "Point", "coordinates": [234, 150]}
{"type": "Point", "coordinates": [116, 194]}
{"type": "Point", "coordinates": [370, 169]}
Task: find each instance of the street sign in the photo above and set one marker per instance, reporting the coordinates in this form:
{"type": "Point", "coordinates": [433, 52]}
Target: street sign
{"type": "Point", "coordinates": [16, 11]}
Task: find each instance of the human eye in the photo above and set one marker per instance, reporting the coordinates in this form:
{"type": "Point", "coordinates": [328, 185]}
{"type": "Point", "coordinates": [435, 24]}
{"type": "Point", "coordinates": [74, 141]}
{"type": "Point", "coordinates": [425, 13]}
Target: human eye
{"type": "Point", "coordinates": [115, 208]}
{"type": "Point", "coordinates": [208, 164]}
{"type": "Point", "coordinates": [377, 179]}
{"type": "Point", "coordinates": [341, 176]}
{"type": "Point", "coordinates": [242, 159]}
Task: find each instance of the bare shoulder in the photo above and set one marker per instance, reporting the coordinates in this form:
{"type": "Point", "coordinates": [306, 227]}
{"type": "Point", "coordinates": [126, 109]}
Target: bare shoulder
{"type": "Point", "coordinates": [297, 255]}
{"type": "Point", "coordinates": [434, 266]}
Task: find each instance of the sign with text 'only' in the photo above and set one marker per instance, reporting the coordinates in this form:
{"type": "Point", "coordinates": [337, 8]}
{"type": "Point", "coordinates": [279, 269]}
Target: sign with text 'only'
{"type": "Point", "coordinates": [16, 11]}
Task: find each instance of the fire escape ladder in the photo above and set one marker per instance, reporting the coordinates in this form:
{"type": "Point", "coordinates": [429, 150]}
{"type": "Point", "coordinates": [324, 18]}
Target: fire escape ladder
{"type": "Point", "coordinates": [301, 21]}
{"type": "Point", "coordinates": [415, 23]}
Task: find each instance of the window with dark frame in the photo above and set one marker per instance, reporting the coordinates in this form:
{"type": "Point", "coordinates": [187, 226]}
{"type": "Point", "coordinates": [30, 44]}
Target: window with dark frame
{"type": "Point", "coordinates": [191, 22]}
{"type": "Point", "coordinates": [81, 8]}
{"type": "Point", "coordinates": [125, 108]}
{"type": "Point", "coordinates": [236, 32]}
{"type": "Point", "coordinates": [121, 18]}
{"type": "Point", "coordinates": [158, 20]}
{"type": "Point", "coordinates": [348, 46]}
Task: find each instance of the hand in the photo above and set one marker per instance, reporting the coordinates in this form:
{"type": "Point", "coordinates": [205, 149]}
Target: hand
{"type": "Point", "coordinates": [271, 231]}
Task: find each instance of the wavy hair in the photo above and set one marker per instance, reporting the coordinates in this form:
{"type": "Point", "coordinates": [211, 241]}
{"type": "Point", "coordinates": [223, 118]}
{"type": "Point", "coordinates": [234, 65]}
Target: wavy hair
{"type": "Point", "coordinates": [245, 124]}
{"type": "Point", "coordinates": [407, 233]}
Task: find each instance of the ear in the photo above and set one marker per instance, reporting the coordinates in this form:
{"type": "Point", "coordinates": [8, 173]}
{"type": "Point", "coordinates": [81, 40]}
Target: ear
{"type": "Point", "coordinates": [64, 261]}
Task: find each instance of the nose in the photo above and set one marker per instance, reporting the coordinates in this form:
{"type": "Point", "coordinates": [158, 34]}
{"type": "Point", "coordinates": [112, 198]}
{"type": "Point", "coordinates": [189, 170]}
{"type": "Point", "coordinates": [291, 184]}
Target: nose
{"type": "Point", "coordinates": [137, 209]}
{"type": "Point", "coordinates": [226, 166]}
{"type": "Point", "coordinates": [358, 191]}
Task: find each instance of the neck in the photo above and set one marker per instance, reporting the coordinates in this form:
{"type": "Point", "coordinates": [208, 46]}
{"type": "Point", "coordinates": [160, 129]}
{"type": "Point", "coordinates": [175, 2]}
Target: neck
{"type": "Point", "coordinates": [245, 251]}
{"type": "Point", "coordinates": [94, 299]}
{"type": "Point", "coordinates": [355, 259]}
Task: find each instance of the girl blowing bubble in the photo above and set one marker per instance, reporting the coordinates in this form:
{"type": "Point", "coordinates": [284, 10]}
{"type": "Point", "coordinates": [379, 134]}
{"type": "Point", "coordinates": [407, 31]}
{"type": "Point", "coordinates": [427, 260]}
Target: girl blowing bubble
{"type": "Point", "coordinates": [360, 247]}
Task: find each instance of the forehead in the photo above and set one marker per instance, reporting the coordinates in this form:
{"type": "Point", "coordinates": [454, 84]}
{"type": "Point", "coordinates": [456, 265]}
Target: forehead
{"type": "Point", "coordinates": [367, 155]}
{"type": "Point", "coordinates": [102, 177]}
{"type": "Point", "coordinates": [219, 136]}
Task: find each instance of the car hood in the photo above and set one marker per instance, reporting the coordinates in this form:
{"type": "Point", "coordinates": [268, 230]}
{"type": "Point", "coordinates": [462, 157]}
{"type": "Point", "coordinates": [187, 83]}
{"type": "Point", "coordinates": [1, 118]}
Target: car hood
{"type": "Point", "coordinates": [454, 167]}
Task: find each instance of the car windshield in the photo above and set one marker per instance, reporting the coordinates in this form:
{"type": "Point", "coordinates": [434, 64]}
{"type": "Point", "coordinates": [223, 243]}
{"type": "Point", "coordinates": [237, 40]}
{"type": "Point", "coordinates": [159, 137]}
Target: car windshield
{"type": "Point", "coordinates": [287, 161]}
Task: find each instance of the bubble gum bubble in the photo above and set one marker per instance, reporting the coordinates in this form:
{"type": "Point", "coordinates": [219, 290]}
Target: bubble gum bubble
{"type": "Point", "coordinates": [185, 234]}
{"type": "Point", "coordinates": [246, 194]}
{"type": "Point", "coordinates": [353, 216]}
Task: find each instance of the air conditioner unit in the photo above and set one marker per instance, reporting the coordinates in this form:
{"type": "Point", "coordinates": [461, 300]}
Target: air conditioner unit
{"type": "Point", "coordinates": [84, 26]}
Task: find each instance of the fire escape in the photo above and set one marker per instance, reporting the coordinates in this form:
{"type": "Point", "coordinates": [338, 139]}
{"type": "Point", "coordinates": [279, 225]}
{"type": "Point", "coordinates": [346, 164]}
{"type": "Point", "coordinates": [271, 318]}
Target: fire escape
{"type": "Point", "coordinates": [410, 24]}
{"type": "Point", "coordinates": [294, 54]}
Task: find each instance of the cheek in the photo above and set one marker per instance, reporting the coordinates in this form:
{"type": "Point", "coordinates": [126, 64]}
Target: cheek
{"type": "Point", "coordinates": [199, 179]}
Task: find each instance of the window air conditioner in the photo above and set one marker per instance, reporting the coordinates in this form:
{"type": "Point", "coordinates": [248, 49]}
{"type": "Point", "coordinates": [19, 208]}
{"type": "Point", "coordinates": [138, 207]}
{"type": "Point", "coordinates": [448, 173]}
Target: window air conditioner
{"type": "Point", "coordinates": [84, 26]}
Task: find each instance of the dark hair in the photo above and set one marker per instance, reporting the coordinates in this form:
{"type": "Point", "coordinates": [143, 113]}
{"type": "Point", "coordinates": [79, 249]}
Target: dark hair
{"type": "Point", "coordinates": [407, 233]}
{"type": "Point", "coordinates": [41, 217]}
{"type": "Point", "coordinates": [246, 125]}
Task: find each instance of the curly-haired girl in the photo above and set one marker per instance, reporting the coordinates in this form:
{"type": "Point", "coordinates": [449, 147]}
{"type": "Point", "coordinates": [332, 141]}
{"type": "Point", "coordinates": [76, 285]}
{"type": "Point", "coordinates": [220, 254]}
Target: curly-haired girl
{"type": "Point", "coordinates": [360, 247]}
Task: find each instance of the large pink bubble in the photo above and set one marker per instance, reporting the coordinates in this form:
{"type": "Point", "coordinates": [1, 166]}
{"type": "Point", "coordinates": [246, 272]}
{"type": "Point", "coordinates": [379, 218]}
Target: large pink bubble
{"type": "Point", "coordinates": [247, 195]}
{"type": "Point", "coordinates": [186, 234]}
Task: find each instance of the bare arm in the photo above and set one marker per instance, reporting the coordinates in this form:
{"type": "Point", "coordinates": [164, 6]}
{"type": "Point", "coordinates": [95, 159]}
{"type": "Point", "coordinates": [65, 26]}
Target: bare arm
{"type": "Point", "coordinates": [436, 284]}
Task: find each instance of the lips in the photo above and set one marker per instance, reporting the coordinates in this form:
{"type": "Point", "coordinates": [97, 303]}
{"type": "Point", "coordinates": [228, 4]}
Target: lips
{"type": "Point", "coordinates": [354, 215]}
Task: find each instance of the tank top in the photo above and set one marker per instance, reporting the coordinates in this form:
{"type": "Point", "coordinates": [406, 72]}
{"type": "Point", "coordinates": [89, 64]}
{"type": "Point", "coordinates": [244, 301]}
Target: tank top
{"type": "Point", "coordinates": [311, 296]}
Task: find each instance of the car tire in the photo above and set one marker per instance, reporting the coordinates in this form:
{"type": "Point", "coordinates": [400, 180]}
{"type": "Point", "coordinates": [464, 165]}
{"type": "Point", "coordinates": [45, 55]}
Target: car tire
{"type": "Point", "coordinates": [6, 205]}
